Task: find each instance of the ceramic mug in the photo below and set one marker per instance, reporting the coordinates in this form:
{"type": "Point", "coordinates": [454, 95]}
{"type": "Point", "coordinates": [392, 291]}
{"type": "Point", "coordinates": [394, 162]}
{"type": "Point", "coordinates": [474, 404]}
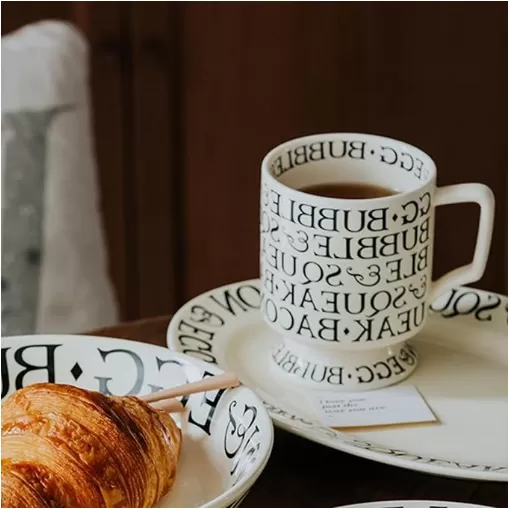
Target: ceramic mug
{"type": "Point", "coordinates": [346, 282]}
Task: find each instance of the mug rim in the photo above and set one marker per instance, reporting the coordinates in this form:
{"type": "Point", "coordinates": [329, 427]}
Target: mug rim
{"type": "Point", "coordinates": [312, 137]}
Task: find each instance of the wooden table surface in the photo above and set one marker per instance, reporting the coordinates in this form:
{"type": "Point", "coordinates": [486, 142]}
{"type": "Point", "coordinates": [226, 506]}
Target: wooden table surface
{"type": "Point", "coordinates": [301, 473]}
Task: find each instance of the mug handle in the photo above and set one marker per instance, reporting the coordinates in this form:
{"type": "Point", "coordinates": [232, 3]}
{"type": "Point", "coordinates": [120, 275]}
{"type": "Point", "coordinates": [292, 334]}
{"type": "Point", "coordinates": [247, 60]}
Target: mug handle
{"type": "Point", "coordinates": [467, 193]}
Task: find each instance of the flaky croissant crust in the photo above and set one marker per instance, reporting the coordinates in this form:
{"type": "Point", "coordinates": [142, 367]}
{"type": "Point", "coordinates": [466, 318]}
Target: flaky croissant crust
{"type": "Point", "coordinates": [63, 446]}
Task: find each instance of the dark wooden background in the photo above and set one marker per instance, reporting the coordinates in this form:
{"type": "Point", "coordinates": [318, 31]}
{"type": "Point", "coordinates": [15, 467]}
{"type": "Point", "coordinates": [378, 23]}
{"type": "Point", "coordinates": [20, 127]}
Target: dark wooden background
{"type": "Point", "coordinates": [188, 97]}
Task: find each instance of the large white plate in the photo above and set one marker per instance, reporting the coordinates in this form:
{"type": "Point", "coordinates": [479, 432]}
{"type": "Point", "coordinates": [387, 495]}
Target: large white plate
{"type": "Point", "coordinates": [462, 375]}
{"type": "Point", "coordinates": [227, 435]}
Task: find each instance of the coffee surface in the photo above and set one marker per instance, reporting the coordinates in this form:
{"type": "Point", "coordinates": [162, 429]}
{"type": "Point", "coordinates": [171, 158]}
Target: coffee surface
{"type": "Point", "coordinates": [348, 190]}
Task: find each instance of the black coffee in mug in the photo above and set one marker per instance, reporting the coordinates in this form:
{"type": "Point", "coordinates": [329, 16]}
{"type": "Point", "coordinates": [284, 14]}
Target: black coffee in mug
{"type": "Point", "coordinates": [348, 190]}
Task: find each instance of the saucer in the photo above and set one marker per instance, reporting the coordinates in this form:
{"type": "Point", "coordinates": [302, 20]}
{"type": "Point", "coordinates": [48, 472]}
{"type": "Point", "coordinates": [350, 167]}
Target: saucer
{"type": "Point", "coordinates": [462, 376]}
{"type": "Point", "coordinates": [420, 504]}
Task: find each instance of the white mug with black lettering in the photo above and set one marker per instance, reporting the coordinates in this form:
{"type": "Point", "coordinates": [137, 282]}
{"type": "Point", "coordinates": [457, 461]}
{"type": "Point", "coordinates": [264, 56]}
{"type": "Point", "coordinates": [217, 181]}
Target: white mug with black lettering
{"type": "Point", "coordinates": [346, 282]}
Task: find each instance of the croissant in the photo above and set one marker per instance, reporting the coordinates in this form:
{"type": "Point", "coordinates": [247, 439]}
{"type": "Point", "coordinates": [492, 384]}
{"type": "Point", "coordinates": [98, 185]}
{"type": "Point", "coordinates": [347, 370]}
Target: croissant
{"type": "Point", "coordinates": [63, 446]}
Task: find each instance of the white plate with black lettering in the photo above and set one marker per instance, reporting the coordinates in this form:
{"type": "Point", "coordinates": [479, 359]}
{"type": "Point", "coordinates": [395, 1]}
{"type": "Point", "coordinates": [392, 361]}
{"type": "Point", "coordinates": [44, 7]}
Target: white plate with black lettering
{"type": "Point", "coordinates": [226, 435]}
{"type": "Point", "coordinates": [462, 374]}
{"type": "Point", "coordinates": [418, 504]}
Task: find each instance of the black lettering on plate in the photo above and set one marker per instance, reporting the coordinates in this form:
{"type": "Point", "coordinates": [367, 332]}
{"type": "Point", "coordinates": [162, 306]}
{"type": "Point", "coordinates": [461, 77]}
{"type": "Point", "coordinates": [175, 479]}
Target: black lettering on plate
{"type": "Point", "coordinates": [140, 372]}
{"type": "Point", "coordinates": [48, 366]}
{"type": "Point", "coordinates": [204, 419]}
{"type": "Point", "coordinates": [241, 439]}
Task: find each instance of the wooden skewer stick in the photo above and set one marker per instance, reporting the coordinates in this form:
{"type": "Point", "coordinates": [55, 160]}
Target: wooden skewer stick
{"type": "Point", "coordinates": [223, 381]}
{"type": "Point", "coordinates": [168, 405]}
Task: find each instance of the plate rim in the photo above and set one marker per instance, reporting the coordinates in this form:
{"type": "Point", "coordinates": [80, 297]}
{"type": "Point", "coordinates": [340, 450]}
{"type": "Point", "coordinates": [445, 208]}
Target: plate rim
{"type": "Point", "coordinates": [416, 501]}
{"type": "Point", "coordinates": [238, 490]}
{"type": "Point", "coordinates": [392, 459]}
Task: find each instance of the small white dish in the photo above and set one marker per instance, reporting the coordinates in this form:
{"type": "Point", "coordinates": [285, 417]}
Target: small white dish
{"type": "Point", "coordinates": [227, 437]}
{"type": "Point", "coordinates": [462, 376]}
{"type": "Point", "coordinates": [419, 504]}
